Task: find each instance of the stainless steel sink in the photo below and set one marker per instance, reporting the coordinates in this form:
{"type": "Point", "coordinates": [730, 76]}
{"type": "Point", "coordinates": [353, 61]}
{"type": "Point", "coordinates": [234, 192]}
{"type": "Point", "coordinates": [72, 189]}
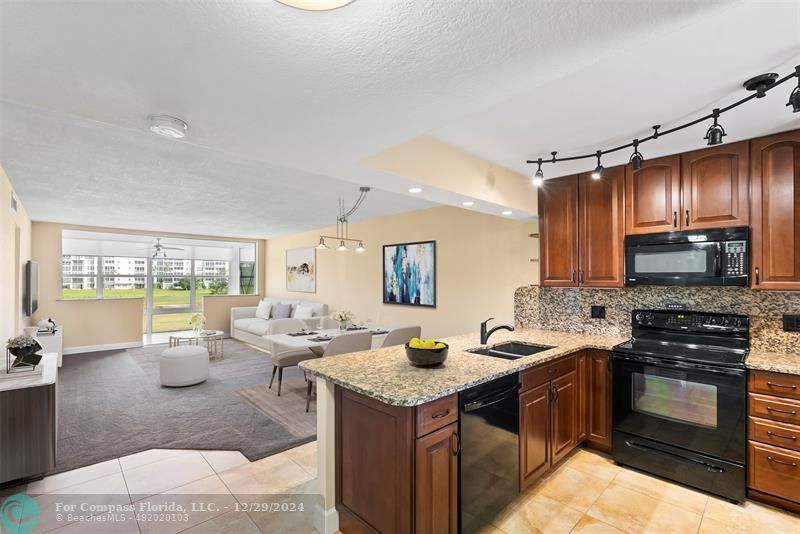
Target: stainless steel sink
{"type": "Point", "coordinates": [511, 350]}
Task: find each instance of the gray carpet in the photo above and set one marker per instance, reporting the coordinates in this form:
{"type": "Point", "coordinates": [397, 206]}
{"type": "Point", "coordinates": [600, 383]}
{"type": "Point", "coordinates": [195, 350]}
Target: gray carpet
{"type": "Point", "coordinates": [111, 404]}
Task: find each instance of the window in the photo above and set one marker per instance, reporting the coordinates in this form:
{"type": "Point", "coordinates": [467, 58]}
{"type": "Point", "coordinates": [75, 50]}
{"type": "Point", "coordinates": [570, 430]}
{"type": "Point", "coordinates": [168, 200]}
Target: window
{"type": "Point", "coordinates": [212, 278]}
{"type": "Point", "coordinates": [172, 283]}
{"type": "Point", "coordinates": [79, 277]}
{"type": "Point", "coordinates": [124, 277]}
{"type": "Point", "coordinates": [247, 277]}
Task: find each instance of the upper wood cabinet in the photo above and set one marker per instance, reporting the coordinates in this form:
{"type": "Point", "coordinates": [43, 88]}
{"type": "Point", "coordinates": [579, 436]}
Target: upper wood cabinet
{"type": "Point", "coordinates": [715, 187]}
{"type": "Point", "coordinates": [602, 229]}
{"type": "Point", "coordinates": [652, 196]}
{"type": "Point", "coordinates": [775, 207]}
{"type": "Point", "coordinates": [558, 229]}
{"type": "Point", "coordinates": [581, 224]}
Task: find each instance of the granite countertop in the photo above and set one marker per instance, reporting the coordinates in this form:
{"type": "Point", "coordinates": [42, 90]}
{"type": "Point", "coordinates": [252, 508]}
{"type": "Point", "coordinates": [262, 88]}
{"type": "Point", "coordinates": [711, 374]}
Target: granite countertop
{"type": "Point", "coordinates": [386, 374]}
{"type": "Point", "coordinates": [777, 362]}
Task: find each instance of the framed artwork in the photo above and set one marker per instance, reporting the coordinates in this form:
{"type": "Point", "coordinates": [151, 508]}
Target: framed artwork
{"type": "Point", "coordinates": [409, 274]}
{"type": "Point", "coordinates": [301, 270]}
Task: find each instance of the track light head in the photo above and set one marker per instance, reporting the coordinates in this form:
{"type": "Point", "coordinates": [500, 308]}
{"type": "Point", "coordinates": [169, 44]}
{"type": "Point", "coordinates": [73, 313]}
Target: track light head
{"type": "Point", "coordinates": [342, 247]}
{"type": "Point", "coordinates": [597, 173]}
{"type": "Point", "coordinates": [322, 245]}
{"type": "Point", "coordinates": [715, 132]}
{"type": "Point", "coordinates": [636, 158]}
{"type": "Point", "coordinates": [794, 96]}
{"type": "Point", "coordinates": [360, 247]}
{"type": "Point", "coordinates": [538, 176]}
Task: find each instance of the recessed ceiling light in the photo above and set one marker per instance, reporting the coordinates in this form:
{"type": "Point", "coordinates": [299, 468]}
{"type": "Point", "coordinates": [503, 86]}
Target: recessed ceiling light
{"type": "Point", "coordinates": [415, 190]}
{"type": "Point", "coordinates": [468, 203]}
{"type": "Point", "coordinates": [315, 5]}
{"type": "Point", "coordinates": [508, 212]}
{"type": "Point", "coordinates": [167, 126]}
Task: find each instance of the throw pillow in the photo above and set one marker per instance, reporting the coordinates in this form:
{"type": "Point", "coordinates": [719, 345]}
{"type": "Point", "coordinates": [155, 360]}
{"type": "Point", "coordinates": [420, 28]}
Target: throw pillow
{"type": "Point", "coordinates": [263, 310]}
{"type": "Point", "coordinates": [281, 311]}
{"type": "Point", "coordinates": [303, 312]}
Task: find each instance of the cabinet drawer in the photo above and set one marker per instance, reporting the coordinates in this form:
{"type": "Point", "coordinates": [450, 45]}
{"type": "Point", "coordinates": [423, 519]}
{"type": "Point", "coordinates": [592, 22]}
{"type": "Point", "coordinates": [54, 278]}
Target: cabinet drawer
{"type": "Point", "coordinates": [777, 384]}
{"type": "Point", "coordinates": [437, 414]}
{"type": "Point", "coordinates": [777, 409]}
{"type": "Point", "coordinates": [774, 471]}
{"type": "Point", "coordinates": [544, 373]}
{"type": "Point", "coordinates": [778, 434]}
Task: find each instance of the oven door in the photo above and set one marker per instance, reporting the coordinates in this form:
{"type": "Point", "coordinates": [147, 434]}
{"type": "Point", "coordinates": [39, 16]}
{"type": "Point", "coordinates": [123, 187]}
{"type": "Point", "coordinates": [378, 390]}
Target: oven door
{"type": "Point", "coordinates": [685, 405]}
{"type": "Point", "coordinates": [674, 264]}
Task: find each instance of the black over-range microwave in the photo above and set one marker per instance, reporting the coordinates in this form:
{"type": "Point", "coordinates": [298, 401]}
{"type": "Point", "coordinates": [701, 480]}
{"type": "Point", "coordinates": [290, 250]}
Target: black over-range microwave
{"type": "Point", "coordinates": [717, 257]}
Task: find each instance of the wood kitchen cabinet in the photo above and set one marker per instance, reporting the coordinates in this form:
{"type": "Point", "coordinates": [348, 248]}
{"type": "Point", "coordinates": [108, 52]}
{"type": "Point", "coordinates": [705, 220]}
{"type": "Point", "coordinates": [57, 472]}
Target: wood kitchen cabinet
{"type": "Point", "coordinates": [558, 229]}
{"type": "Point", "coordinates": [581, 224]}
{"type": "Point", "coordinates": [549, 414]}
{"type": "Point", "coordinates": [601, 207]}
{"type": "Point", "coordinates": [436, 481]}
{"type": "Point", "coordinates": [652, 196]}
{"type": "Point", "coordinates": [598, 399]}
{"type": "Point", "coordinates": [396, 467]}
{"type": "Point", "coordinates": [715, 187]}
{"type": "Point", "coordinates": [775, 209]}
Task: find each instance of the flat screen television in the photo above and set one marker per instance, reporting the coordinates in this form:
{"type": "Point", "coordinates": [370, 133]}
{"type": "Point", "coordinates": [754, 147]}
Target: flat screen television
{"type": "Point", "coordinates": [31, 302]}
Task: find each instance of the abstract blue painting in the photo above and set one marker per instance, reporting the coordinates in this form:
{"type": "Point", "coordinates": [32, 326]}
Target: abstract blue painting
{"type": "Point", "coordinates": [409, 274]}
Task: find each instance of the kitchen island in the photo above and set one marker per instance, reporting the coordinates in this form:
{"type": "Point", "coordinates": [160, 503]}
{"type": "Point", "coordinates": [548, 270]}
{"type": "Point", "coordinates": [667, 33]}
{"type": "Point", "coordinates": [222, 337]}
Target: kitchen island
{"type": "Point", "coordinates": [395, 451]}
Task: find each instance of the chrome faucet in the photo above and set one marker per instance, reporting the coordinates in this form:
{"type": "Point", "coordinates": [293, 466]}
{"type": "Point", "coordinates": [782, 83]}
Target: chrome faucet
{"type": "Point", "coordinates": [485, 335]}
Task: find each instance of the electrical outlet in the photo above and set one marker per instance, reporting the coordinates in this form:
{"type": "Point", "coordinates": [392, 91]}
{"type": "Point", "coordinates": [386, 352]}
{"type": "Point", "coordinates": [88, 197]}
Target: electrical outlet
{"type": "Point", "coordinates": [598, 312]}
{"type": "Point", "coordinates": [791, 323]}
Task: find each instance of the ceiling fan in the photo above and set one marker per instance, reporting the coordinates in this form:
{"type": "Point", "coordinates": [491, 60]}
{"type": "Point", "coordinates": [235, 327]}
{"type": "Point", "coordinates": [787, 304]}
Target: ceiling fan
{"type": "Point", "coordinates": [160, 250]}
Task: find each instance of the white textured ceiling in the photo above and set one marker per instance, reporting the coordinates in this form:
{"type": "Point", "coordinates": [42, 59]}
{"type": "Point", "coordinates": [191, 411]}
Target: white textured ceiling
{"type": "Point", "coordinates": [282, 103]}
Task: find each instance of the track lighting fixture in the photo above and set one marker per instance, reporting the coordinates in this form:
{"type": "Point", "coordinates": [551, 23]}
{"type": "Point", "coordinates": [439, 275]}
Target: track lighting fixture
{"type": "Point", "coordinates": [715, 132]}
{"type": "Point", "coordinates": [597, 173]}
{"type": "Point", "coordinates": [538, 177]}
{"type": "Point", "coordinates": [757, 85]}
{"type": "Point", "coordinates": [343, 225]}
{"type": "Point", "coordinates": [636, 158]}
{"type": "Point", "coordinates": [794, 96]}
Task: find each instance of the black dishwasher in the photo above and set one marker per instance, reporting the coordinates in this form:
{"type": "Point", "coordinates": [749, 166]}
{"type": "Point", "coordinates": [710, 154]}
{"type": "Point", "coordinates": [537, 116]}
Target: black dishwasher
{"type": "Point", "coordinates": [489, 461]}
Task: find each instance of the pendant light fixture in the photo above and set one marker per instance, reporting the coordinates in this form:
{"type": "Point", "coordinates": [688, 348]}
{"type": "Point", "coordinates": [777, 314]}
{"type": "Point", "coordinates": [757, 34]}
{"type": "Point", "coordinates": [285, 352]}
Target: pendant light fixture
{"type": "Point", "coordinates": [343, 226]}
{"type": "Point", "coordinates": [758, 87]}
{"type": "Point", "coordinates": [636, 158]}
{"type": "Point", "coordinates": [538, 177]}
{"type": "Point", "coordinates": [315, 5]}
{"type": "Point", "coordinates": [597, 173]}
{"type": "Point", "coordinates": [715, 132]}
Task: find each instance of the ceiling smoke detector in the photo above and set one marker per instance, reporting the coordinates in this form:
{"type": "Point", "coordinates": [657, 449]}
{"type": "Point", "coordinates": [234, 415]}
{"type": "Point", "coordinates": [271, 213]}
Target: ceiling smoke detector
{"type": "Point", "coordinates": [167, 126]}
{"type": "Point", "coordinates": [315, 5]}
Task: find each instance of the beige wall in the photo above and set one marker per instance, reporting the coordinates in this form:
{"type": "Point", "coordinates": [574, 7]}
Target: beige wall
{"type": "Point", "coordinates": [427, 160]}
{"type": "Point", "coordinates": [89, 323]}
{"type": "Point", "coordinates": [217, 309]}
{"type": "Point", "coordinates": [15, 251]}
{"type": "Point", "coordinates": [480, 261]}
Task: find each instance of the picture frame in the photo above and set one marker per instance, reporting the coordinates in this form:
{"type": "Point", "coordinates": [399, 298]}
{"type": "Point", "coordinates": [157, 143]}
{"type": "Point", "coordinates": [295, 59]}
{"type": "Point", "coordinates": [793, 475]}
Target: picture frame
{"type": "Point", "coordinates": [301, 270]}
{"type": "Point", "coordinates": [409, 274]}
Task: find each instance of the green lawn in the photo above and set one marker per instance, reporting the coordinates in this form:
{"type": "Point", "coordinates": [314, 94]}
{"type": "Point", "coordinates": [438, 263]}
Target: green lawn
{"type": "Point", "coordinates": [162, 298]}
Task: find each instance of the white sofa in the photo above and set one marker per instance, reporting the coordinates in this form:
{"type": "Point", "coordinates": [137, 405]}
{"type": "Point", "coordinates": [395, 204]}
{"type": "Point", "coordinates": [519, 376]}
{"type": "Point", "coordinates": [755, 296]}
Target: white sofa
{"type": "Point", "coordinates": [245, 326]}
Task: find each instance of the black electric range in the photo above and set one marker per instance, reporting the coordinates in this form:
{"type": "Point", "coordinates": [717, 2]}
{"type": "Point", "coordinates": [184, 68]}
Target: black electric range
{"type": "Point", "coordinates": [680, 393]}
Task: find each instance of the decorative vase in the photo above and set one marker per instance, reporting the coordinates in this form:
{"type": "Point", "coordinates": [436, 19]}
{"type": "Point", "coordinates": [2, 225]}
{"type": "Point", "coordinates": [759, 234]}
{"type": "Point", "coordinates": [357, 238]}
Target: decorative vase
{"type": "Point", "coordinates": [197, 329]}
{"type": "Point", "coordinates": [342, 325]}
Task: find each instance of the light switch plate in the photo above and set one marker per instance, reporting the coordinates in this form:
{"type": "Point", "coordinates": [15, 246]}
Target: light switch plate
{"type": "Point", "coordinates": [598, 312]}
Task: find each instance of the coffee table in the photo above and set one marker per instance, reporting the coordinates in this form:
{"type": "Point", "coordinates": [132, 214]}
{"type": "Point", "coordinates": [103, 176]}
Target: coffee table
{"type": "Point", "coordinates": [213, 339]}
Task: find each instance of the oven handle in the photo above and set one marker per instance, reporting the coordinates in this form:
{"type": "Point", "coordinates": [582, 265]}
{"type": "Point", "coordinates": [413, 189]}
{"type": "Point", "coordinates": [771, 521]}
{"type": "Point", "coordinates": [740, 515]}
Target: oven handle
{"type": "Point", "coordinates": [669, 364]}
{"type": "Point", "coordinates": [709, 467]}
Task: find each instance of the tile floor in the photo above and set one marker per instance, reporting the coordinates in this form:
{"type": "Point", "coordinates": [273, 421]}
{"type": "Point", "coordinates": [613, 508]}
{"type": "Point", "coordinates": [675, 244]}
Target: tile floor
{"type": "Point", "coordinates": [587, 493]}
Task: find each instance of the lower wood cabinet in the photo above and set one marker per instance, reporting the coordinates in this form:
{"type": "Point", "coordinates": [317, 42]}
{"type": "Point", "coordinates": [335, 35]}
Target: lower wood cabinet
{"type": "Point", "coordinates": [773, 428]}
{"type": "Point", "coordinates": [436, 481]}
{"type": "Point", "coordinates": [598, 399]}
{"type": "Point", "coordinates": [396, 467]}
{"type": "Point", "coordinates": [548, 417]}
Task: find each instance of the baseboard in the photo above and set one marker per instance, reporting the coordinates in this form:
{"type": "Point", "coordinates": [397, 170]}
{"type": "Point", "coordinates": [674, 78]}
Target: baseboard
{"type": "Point", "coordinates": [773, 501]}
{"type": "Point", "coordinates": [326, 521]}
{"type": "Point", "coordinates": [98, 348]}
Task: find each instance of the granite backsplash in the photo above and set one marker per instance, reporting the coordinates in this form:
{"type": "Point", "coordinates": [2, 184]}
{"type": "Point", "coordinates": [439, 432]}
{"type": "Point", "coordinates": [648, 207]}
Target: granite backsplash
{"type": "Point", "coordinates": [568, 309]}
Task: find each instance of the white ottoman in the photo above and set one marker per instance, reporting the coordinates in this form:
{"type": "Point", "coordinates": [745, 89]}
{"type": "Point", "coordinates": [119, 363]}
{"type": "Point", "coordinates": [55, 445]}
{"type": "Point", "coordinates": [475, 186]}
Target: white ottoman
{"type": "Point", "coordinates": [183, 366]}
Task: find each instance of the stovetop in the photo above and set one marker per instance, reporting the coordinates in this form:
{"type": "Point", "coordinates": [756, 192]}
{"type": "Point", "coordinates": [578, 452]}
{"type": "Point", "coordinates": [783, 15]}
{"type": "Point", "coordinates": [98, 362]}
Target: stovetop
{"type": "Point", "coordinates": [698, 337]}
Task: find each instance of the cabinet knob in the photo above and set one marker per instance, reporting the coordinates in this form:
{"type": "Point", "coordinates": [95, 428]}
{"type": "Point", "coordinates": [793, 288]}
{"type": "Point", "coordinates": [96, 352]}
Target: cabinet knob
{"type": "Point", "coordinates": [758, 276]}
{"type": "Point", "coordinates": [457, 449]}
{"type": "Point", "coordinates": [687, 217]}
{"type": "Point", "coordinates": [674, 219]}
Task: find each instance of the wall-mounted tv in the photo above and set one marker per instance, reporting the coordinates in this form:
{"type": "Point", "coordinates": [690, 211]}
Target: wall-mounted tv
{"type": "Point", "coordinates": [31, 298]}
